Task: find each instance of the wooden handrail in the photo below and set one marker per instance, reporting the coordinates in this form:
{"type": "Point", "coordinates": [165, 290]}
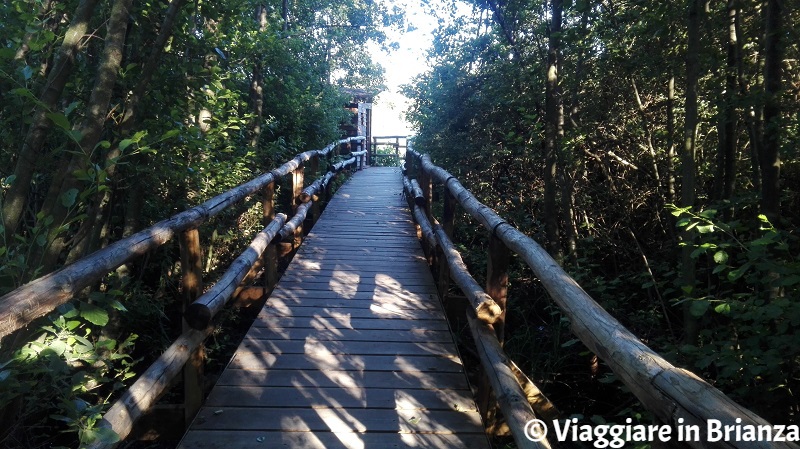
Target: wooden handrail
{"type": "Point", "coordinates": [674, 395]}
{"type": "Point", "coordinates": [510, 394]}
{"type": "Point", "coordinates": [199, 313]}
{"type": "Point", "coordinates": [133, 404]}
{"type": "Point", "coordinates": [138, 399]}
{"type": "Point", "coordinates": [39, 297]}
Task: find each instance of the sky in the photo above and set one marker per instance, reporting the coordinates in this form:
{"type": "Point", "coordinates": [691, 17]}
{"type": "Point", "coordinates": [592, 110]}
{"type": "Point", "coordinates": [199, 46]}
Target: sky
{"type": "Point", "coordinates": [401, 66]}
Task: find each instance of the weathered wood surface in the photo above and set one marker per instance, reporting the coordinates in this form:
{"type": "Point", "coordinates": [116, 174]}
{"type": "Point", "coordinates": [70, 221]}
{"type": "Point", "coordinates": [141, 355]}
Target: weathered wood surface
{"type": "Point", "coordinates": [39, 297]}
{"type": "Point", "coordinates": [352, 349]}
{"type": "Point", "coordinates": [675, 396]}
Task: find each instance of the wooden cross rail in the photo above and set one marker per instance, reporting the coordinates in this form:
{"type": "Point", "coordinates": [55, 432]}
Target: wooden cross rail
{"type": "Point", "coordinates": [143, 394]}
{"type": "Point", "coordinates": [41, 296]}
{"type": "Point", "coordinates": [352, 349]}
{"type": "Point", "coordinates": [674, 395]}
{"type": "Point", "coordinates": [510, 395]}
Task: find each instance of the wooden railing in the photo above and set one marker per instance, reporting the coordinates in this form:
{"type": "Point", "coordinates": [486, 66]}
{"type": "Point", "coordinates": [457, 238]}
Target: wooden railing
{"type": "Point", "coordinates": [41, 296]}
{"type": "Point", "coordinates": [393, 157]}
{"type": "Point", "coordinates": [675, 396]}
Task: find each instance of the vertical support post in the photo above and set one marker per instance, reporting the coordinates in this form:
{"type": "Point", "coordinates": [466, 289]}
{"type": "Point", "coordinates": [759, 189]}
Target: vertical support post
{"type": "Point", "coordinates": [271, 253]}
{"type": "Point", "coordinates": [397, 150]}
{"type": "Point", "coordinates": [313, 167]}
{"type": "Point", "coordinates": [191, 288]}
{"type": "Point", "coordinates": [297, 189]}
{"type": "Point", "coordinates": [368, 137]}
{"type": "Point", "coordinates": [426, 183]}
{"type": "Point", "coordinates": [409, 164]}
{"type": "Point", "coordinates": [448, 223]}
{"type": "Point", "coordinates": [498, 258]}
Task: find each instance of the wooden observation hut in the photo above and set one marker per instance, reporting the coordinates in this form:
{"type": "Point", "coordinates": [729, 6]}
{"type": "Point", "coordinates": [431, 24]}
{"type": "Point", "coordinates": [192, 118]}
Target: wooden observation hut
{"type": "Point", "coordinates": [361, 122]}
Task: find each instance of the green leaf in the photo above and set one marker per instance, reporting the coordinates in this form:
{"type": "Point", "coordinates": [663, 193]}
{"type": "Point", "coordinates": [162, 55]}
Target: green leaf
{"type": "Point", "coordinates": [699, 307]}
{"type": "Point", "coordinates": [738, 272]}
{"type": "Point", "coordinates": [59, 120]}
{"type": "Point", "coordinates": [58, 346]}
{"type": "Point", "coordinates": [125, 143]}
{"type": "Point", "coordinates": [23, 92]}
{"type": "Point", "coordinates": [721, 257]}
{"type": "Point", "coordinates": [724, 308]}
{"type": "Point", "coordinates": [170, 134]}
{"type": "Point", "coordinates": [705, 229]}
{"type": "Point", "coordinates": [68, 198]}
{"type": "Point", "coordinates": [94, 314]}
{"type": "Point", "coordinates": [117, 305]}
{"type": "Point", "coordinates": [570, 343]}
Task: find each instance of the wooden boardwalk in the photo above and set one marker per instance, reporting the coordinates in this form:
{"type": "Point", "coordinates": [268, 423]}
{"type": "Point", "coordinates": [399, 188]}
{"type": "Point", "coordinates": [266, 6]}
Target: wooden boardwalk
{"type": "Point", "coordinates": [352, 349]}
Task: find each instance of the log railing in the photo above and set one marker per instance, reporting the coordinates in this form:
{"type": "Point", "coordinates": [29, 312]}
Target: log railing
{"type": "Point", "coordinates": [396, 143]}
{"type": "Point", "coordinates": [41, 296]}
{"type": "Point", "coordinates": [675, 396]}
{"type": "Point", "coordinates": [143, 394]}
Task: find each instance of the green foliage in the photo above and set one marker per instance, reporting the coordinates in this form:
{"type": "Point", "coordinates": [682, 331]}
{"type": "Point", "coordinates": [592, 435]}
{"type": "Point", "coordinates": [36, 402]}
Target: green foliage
{"type": "Point", "coordinates": [480, 113]}
{"type": "Point", "coordinates": [748, 305]}
{"type": "Point", "coordinates": [68, 372]}
{"type": "Point", "coordinates": [200, 127]}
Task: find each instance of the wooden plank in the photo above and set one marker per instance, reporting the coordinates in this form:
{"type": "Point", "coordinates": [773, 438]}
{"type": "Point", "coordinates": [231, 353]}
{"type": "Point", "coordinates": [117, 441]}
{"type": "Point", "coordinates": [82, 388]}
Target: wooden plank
{"type": "Point", "coordinates": [313, 345]}
{"type": "Point", "coordinates": [396, 278]}
{"type": "Point", "coordinates": [404, 380]}
{"type": "Point", "coordinates": [348, 286]}
{"type": "Point", "coordinates": [349, 397]}
{"type": "Point", "coordinates": [371, 335]}
{"type": "Point", "coordinates": [245, 360]}
{"type": "Point", "coordinates": [376, 311]}
{"type": "Point", "coordinates": [337, 420]}
{"type": "Point", "coordinates": [379, 294]}
{"type": "Point", "coordinates": [352, 348]}
{"type": "Point", "coordinates": [216, 439]}
{"type": "Point", "coordinates": [399, 303]}
{"type": "Point", "coordinates": [348, 323]}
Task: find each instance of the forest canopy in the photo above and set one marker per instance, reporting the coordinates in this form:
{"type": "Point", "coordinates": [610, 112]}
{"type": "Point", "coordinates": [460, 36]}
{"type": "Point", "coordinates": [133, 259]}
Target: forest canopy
{"type": "Point", "coordinates": [117, 114]}
{"type": "Point", "coordinates": [652, 147]}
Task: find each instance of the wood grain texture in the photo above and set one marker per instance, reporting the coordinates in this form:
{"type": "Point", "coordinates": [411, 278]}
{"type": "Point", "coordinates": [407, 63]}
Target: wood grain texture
{"type": "Point", "coordinates": [352, 349]}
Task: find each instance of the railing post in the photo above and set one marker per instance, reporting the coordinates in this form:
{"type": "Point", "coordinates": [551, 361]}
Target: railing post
{"type": "Point", "coordinates": [498, 258]}
{"type": "Point", "coordinates": [397, 151]}
{"type": "Point", "coordinates": [313, 214]}
{"type": "Point", "coordinates": [409, 163]}
{"type": "Point", "coordinates": [426, 184]}
{"type": "Point", "coordinates": [373, 151]}
{"type": "Point", "coordinates": [297, 189]}
{"type": "Point", "coordinates": [191, 289]}
{"type": "Point", "coordinates": [448, 223]}
{"type": "Point", "coordinates": [271, 253]}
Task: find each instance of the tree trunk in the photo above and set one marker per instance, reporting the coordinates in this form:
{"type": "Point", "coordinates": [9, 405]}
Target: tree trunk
{"type": "Point", "coordinates": [91, 130]}
{"type": "Point", "coordinates": [770, 158]}
{"type": "Point", "coordinates": [102, 201]}
{"type": "Point", "coordinates": [648, 135]}
{"type": "Point", "coordinates": [257, 84]}
{"type": "Point", "coordinates": [17, 195]}
{"type": "Point", "coordinates": [553, 131]}
{"type": "Point", "coordinates": [688, 162]}
{"type": "Point", "coordinates": [672, 191]}
{"type": "Point", "coordinates": [726, 158]}
{"type": "Point", "coordinates": [24, 48]}
{"type": "Point", "coordinates": [285, 15]}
